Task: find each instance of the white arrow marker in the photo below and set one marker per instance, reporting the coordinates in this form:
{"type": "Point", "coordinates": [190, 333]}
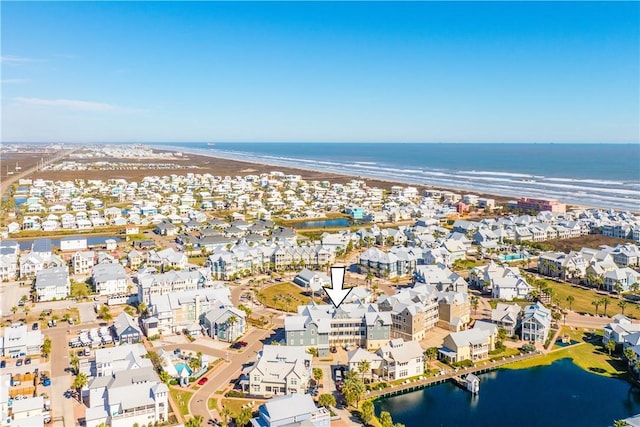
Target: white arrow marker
{"type": "Point", "coordinates": [336, 293]}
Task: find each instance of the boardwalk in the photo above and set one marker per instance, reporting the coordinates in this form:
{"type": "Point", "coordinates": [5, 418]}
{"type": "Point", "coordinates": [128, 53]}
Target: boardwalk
{"type": "Point", "coordinates": [450, 375]}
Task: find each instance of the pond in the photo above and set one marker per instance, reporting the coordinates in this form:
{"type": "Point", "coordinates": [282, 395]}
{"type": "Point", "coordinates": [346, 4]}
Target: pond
{"type": "Point", "coordinates": [340, 222]}
{"type": "Point", "coordinates": [561, 394]}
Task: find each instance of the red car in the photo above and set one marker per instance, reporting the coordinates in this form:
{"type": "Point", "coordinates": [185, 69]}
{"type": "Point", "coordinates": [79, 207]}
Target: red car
{"type": "Point", "coordinates": [203, 381]}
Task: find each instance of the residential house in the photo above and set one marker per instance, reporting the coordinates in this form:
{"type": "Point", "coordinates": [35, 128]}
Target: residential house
{"type": "Point", "coordinates": [225, 323]}
{"type": "Point", "coordinates": [292, 410]}
{"type": "Point", "coordinates": [126, 329]}
{"type": "Point", "coordinates": [279, 370]}
{"type": "Point", "coordinates": [536, 322]}
{"type": "Point", "coordinates": [324, 326]}
{"type": "Point", "coordinates": [126, 398]}
{"type": "Point", "coordinates": [53, 284]}
{"type": "Point", "coordinates": [507, 317]}
{"type": "Point", "coordinates": [110, 279]}
{"type": "Point", "coordinates": [82, 262]}
{"type": "Point", "coordinates": [471, 344]}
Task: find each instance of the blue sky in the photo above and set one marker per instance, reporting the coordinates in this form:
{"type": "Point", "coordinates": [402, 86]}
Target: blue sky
{"type": "Point", "coordinates": [415, 71]}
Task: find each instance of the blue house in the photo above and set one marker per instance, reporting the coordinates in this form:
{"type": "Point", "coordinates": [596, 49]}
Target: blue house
{"type": "Point", "coordinates": [355, 212]}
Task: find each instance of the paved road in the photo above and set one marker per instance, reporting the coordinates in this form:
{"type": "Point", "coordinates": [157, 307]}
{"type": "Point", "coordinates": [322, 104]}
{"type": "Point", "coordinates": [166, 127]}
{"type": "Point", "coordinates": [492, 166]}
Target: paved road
{"type": "Point", "coordinates": [10, 294]}
{"type": "Point", "coordinates": [6, 183]}
{"type": "Point", "coordinates": [60, 378]}
{"type": "Point", "coordinates": [224, 377]}
{"type": "Point", "coordinates": [590, 322]}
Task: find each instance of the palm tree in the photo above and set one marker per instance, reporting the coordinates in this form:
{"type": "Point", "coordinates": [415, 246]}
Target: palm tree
{"type": "Point", "coordinates": [75, 363]}
{"type": "Point", "coordinates": [431, 353]}
{"type": "Point", "coordinates": [474, 303]}
{"type": "Point", "coordinates": [622, 304]}
{"type": "Point", "coordinates": [606, 302]}
{"type": "Point", "coordinates": [363, 367]}
{"type": "Point", "coordinates": [570, 300]}
{"type": "Point", "coordinates": [232, 321]}
{"type": "Point", "coordinates": [620, 423]}
{"type": "Point", "coordinates": [630, 355]}
{"type": "Point", "coordinates": [610, 346]}
{"type": "Point", "coordinates": [635, 287]}
{"type": "Point", "coordinates": [596, 303]}
{"type": "Point", "coordinates": [79, 382]}
{"type": "Point", "coordinates": [244, 417]}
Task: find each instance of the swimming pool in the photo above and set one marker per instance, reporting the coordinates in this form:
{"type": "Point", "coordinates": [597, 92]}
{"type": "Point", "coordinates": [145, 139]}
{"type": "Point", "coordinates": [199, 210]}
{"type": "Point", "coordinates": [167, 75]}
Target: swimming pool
{"type": "Point", "coordinates": [181, 366]}
{"type": "Point", "coordinates": [512, 257]}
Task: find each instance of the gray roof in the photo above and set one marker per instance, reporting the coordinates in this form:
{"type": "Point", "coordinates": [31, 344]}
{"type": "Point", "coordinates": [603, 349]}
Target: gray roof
{"type": "Point", "coordinates": [56, 276]}
{"type": "Point", "coordinates": [106, 272]}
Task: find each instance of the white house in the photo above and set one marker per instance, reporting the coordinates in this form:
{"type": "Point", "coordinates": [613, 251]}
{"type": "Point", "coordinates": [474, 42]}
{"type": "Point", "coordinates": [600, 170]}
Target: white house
{"type": "Point", "coordinates": [110, 279]}
{"type": "Point", "coordinates": [53, 284]}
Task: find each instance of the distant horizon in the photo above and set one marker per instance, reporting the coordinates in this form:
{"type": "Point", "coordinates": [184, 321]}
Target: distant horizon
{"type": "Point", "coordinates": [58, 141]}
{"type": "Point", "coordinates": [406, 72]}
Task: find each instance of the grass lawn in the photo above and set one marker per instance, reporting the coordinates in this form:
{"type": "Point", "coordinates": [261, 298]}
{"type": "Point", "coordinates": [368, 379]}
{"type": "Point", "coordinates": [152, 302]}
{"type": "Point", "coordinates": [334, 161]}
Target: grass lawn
{"type": "Point", "coordinates": [181, 399]}
{"type": "Point", "coordinates": [584, 297]}
{"type": "Point", "coordinates": [507, 352]}
{"type": "Point", "coordinates": [235, 405]}
{"type": "Point", "coordinates": [589, 356]}
{"type": "Point", "coordinates": [212, 404]}
{"type": "Point", "coordinates": [283, 296]}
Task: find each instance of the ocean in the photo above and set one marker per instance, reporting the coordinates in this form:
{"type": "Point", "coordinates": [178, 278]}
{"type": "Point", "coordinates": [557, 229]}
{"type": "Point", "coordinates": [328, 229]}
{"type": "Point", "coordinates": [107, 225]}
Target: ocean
{"type": "Point", "coordinates": [600, 175]}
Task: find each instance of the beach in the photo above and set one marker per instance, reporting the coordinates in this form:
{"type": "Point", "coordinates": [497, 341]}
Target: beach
{"type": "Point", "coordinates": [209, 163]}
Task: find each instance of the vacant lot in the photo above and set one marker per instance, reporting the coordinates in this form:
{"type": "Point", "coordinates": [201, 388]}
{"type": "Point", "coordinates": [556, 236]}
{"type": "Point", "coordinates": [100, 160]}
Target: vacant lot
{"type": "Point", "coordinates": [588, 241]}
{"type": "Point", "coordinates": [181, 398]}
{"type": "Point", "coordinates": [283, 296]}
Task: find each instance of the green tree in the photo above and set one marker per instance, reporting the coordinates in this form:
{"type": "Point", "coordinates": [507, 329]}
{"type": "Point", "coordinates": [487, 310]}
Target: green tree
{"type": "Point", "coordinates": [364, 367]}
{"type": "Point", "coordinates": [226, 413]}
{"type": "Point", "coordinates": [317, 374]}
{"type": "Point", "coordinates": [622, 304]}
{"type": "Point", "coordinates": [313, 351]}
{"type": "Point", "coordinates": [367, 411]}
{"type": "Point", "coordinates": [232, 322]}
{"type": "Point", "coordinates": [605, 302]}
{"type": "Point", "coordinates": [326, 400]}
{"type": "Point", "coordinates": [164, 377]}
{"type": "Point", "coordinates": [610, 346]}
{"type": "Point", "coordinates": [46, 347]}
{"type": "Point", "coordinates": [244, 417]}
{"type": "Point", "coordinates": [431, 353]}
{"type": "Point", "coordinates": [630, 355]}
{"type": "Point", "coordinates": [75, 364]}
{"type": "Point", "coordinates": [353, 388]}
{"type": "Point", "coordinates": [142, 308]}
{"type": "Point", "coordinates": [196, 421]}
{"type": "Point", "coordinates": [620, 423]}
{"type": "Point", "coordinates": [596, 303]}
{"type": "Point", "coordinates": [570, 300]}
{"type": "Point", "coordinates": [104, 313]}
{"type": "Point", "coordinates": [79, 382]}
{"type": "Point", "coordinates": [385, 419]}
{"type": "Point", "coordinates": [14, 309]}
{"type": "Point", "coordinates": [475, 302]}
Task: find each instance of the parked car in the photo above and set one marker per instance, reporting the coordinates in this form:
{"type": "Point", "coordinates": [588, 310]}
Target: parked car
{"type": "Point", "coordinates": [243, 343]}
{"type": "Point", "coordinates": [35, 326]}
{"type": "Point", "coordinates": [3, 364]}
{"type": "Point", "coordinates": [27, 361]}
{"type": "Point", "coordinates": [203, 381]}
{"type": "Point", "coordinates": [19, 362]}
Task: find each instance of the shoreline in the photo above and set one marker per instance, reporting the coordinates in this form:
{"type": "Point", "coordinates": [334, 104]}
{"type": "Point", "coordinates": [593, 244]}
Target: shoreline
{"type": "Point", "coordinates": [311, 174]}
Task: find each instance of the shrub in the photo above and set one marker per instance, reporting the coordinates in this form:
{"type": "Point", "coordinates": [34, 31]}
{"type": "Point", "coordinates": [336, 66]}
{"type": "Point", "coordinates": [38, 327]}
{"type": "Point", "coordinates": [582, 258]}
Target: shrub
{"type": "Point", "coordinates": [234, 393]}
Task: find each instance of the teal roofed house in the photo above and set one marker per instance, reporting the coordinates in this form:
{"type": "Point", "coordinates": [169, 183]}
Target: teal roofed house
{"type": "Point", "coordinates": [355, 212]}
